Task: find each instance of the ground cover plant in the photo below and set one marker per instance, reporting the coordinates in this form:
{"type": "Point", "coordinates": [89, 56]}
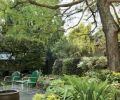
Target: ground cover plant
{"type": "Point", "coordinates": [78, 88]}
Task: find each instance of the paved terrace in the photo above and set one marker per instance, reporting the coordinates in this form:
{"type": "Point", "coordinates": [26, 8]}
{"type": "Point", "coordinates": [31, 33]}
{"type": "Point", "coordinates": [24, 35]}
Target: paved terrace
{"type": "Point", "coordinates": [25, 94]}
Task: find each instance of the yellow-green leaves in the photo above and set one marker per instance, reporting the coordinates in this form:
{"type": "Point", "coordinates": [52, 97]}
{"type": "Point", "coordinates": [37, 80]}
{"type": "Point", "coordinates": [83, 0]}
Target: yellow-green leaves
{"type": "Point", "coordinates": [80, 37]}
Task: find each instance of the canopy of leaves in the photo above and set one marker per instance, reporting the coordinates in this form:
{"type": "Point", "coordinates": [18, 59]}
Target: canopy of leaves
{"type": "Point", "coordinates": [80, 37]}
{"type": "Point", "coordinates": [31, 21]}
{"type": "Point", "coordinates": [28, 52]}
{"type": "Point", "coordinates": [28, 31]}
{"type": "Point", "coordinates": [64, 49]}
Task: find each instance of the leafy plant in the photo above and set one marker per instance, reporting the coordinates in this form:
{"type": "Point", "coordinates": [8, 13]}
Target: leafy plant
{"type": "Point", "coordinates": [79, 36]}
{"type": "Point", "coordinates": [103, 75]}
{"type": "Point", "coordinates": [59, 88]}
{"type": "Point", "coordinates": [115, 77]}
{"type": "Point", "coordinates": [45, 97]}
{"type": "Point", "coordinates": [81, 88]}
{"type": "Point", "coordinates": [64, 49]}
{"type": "Point", "coordinates": [93, 63]}
{"type": "Point", "coordinates": [70, 66]}
{"type": "Point", "coordinates": [86, 89]}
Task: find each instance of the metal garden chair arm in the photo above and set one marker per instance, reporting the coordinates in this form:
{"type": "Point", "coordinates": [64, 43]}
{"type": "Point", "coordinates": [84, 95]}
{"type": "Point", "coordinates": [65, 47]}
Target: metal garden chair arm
{"type": "Point", "coordinates": [32, 77]}
{"type": "Point", "coordinates": [7, 77]}
{"type": "Point", "coordinates": [27, 78]}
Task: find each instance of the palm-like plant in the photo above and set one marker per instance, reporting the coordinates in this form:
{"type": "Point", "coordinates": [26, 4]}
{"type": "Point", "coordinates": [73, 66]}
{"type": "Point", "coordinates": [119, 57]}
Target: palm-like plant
{"type": "Point", "coordinates": [90, 89]}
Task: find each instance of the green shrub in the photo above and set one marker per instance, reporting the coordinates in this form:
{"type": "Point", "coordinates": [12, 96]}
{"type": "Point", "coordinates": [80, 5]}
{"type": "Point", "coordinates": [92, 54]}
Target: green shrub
{"type": "Point", "coordinates": [103, 75]}
{"type": "Point", "coordinates": [101, 62]}
{"type": "Point", "coordinates": [28, 53]}
{"type": "Point", "coordinates": [93, 63]}
{"type": "Point", "coordinates": [81, 88]}
{"type": "Point", "coordinates": [57, 67]}
{"type": "Point", "coordinates": [114, 77]}
{"type": "Point", "coordinates": [70, 66]}
{"type": "Point", "coordinates": [59, 88]}
{"type": "Point", "coordinates": [57, 82]}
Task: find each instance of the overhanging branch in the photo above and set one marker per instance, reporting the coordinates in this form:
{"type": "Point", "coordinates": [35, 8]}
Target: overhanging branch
{"type": "Point", "coordinates": [93, 15]}
{"type": "Point", "coordinates": [55, 6]}
{"type": "Point", "coordinates": [111, 1]}
{"type": "Point", "coordinates": [117, 17]}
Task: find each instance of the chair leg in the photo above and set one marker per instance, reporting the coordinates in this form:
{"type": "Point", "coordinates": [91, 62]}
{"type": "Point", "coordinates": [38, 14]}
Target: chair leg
{"type": "Point", "coordinates": [22, 86]}
{"type": "Point", "coordinates": [27, 87]}
{"type": "Point", "coordinates": [3, 87]}
{"type": "Point", "coordinates": [12, 85]}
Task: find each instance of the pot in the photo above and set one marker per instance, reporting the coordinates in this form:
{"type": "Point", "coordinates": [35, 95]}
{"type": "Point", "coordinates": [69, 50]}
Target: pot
{"type": "Point", "coordinates": [9, 95]}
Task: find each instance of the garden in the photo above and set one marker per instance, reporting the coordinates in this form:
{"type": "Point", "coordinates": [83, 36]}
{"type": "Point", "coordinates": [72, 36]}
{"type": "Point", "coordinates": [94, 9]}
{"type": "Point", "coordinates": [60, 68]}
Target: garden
{"type": "Point", "coordinates": [59, 50]}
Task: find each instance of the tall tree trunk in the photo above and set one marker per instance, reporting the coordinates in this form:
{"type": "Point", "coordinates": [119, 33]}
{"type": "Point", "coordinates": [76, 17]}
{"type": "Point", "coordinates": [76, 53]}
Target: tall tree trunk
{"type": "Point", "coordinates": [110, 29]}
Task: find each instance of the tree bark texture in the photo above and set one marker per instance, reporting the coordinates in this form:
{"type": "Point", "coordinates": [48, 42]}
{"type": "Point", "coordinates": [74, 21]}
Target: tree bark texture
{"type": "Point", "coordinates": [111, 30]}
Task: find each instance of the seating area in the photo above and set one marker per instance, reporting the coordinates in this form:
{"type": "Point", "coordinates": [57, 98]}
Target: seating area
{"type": "Point", "coordinates": [13, 78]}
{"type": "Point", "coordinates": [26, 85]}
{"type": "Point", "coordinates": [17, 79]}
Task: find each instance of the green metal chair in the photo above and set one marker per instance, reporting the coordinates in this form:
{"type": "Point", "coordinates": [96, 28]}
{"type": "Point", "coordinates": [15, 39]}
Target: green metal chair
{"type": "Point", "coordinates": [13, 78]}
{"type": "Point", "coordinates": [32, 80]}
{"type": "Point", "coordinates": [29, 81]}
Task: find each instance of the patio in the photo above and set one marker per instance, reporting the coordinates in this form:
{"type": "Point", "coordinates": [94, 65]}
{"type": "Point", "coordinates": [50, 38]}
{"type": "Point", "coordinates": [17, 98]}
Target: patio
{"type": "Point", "coordinates": [25, 94]}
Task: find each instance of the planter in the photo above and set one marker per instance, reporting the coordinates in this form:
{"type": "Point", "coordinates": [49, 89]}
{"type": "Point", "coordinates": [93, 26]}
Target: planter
{"type": "Point", "coordinates": [9, 95]}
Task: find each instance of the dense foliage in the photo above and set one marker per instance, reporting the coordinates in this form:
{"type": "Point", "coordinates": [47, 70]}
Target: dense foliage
{"type": "Point", "coordinates": [64, 49]}
{"type": "Point", "coordinates": [89, 63]}
{"type": "Point", "coordinates": [29, 32]}
{"type": "Point", "coordinates": [70, 66]}
{"type": "Point", "coordinates": [27, 53]}
{"type": "Point", "coordinates": [78, 88]}
{"type": "Point", "coordinates": [80, 37]}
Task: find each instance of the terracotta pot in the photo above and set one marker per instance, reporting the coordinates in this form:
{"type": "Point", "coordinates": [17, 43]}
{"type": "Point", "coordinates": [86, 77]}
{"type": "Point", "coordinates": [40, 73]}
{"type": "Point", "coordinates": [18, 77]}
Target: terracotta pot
{"type": "Point", "coordinates": [9, 95]}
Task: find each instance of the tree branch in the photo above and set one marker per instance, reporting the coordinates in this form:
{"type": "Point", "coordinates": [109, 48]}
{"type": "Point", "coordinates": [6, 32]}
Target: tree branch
{"type": "Point", "coordinates": [55, 6]}
{"type": "Point", "coordinates": [79, 19]}
{"type": "Point", "coordinates": [117, 17]}
{"type": "Point", "coordinates": [111, 1]}
{"type": "Point", "coordinates": [93, 15]}
{"type": "Point", "coordinates": [82, 14]}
